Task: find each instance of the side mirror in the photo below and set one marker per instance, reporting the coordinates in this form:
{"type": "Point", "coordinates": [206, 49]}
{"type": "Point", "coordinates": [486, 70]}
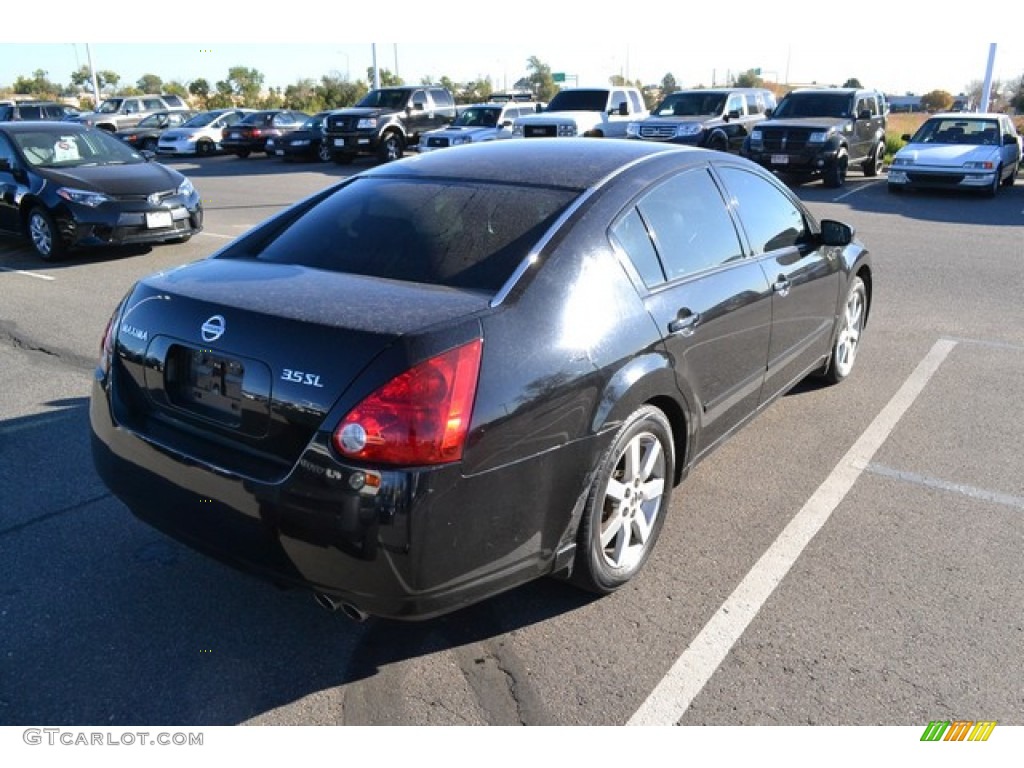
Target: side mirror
{"type": "Point", "coordinates": [418, 106]}
{"type": "Point", "coordinates": [836, 233]}
{"type": "Point", "coordinates": [506, 123]}
{"type": "Point", "coordinates": [864, 114]}
{"type": "Point", "coordinates": [623, 108]}
{"type": "Point", "coordinates": [1008, 139]}
{"type": "Point", "coordinates": [905, 137]}
{"type": "Point", "coordinates": [5, 164]}
{"type": "Point", "coordinates": [768, 112]}
{"type": "Point", "coordinates": [734, 114]}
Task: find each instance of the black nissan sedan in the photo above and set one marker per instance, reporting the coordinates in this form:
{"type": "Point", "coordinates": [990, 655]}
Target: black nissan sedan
{"type": "Point", "coordinates": [451, 374]}
{"type": "Point", "coordinates": [67, 185]}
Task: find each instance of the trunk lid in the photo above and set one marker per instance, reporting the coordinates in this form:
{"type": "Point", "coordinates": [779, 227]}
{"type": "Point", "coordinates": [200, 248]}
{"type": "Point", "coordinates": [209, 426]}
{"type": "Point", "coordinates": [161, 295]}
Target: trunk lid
{"type": "Point", "coordinates": [237, 362]}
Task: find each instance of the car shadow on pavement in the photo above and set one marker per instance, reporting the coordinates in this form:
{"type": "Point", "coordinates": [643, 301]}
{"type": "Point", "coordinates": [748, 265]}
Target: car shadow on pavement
{"type": "Point", "coordinates": [108, 622]}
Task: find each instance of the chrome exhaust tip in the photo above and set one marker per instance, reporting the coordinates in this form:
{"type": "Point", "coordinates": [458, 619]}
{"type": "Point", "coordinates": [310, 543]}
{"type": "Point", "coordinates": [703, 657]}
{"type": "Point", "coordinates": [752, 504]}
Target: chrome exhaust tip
{"type": "Point", "coordinates": [333, 604]}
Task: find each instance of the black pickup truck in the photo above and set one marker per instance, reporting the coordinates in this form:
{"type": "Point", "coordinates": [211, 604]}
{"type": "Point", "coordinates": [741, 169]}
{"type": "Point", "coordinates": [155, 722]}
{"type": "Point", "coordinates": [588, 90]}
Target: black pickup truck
{"type": "Point", "coordinates": [386, 121]}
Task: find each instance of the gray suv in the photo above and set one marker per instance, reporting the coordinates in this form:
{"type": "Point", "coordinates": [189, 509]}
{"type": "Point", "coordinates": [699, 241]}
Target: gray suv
{"type": "Point", "coordinates": [718, 118]}
{"type": "Point", "coordinates": [822, 131]}
{"type": "Point", "coordinates": [120, 112]}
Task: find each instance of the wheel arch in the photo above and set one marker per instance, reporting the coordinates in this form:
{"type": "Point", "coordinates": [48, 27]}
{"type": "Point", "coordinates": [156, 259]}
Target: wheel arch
{"type": "Point", "coordinates": [648, 379]}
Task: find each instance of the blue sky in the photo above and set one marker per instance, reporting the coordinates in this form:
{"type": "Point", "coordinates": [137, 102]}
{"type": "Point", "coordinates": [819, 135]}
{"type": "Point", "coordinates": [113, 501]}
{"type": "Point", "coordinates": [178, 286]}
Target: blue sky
{"type": "Point", "coordinates": [694, 45]}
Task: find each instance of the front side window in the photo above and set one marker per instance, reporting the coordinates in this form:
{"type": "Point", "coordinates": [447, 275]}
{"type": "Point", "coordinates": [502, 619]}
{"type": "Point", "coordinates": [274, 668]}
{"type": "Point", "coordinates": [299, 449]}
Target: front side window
{"type": "Point", "coordinates": [771, 219]}
{"type": "Point", "coordinates": [691, 225]}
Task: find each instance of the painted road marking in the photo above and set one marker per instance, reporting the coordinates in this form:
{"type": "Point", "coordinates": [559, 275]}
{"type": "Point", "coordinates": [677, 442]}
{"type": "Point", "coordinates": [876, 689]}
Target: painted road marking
{"type": "Point", "coordinates": [671, 698]}
{"type": "Point", "coordinates": [27, 273]}
{"type": "Point", "coordinates": [980, 494]}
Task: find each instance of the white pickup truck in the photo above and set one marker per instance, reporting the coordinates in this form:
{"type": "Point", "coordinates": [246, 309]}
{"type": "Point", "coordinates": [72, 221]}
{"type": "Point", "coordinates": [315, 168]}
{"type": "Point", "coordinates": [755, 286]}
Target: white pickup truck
{"type": "Point", "coordinates": [585, 112]}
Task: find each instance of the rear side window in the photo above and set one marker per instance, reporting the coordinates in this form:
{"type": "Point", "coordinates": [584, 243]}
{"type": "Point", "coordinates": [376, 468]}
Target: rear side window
{"type": "Point", "coordinates": [440, 232]}
{"type": "Point", "coordinates": [632, 236]}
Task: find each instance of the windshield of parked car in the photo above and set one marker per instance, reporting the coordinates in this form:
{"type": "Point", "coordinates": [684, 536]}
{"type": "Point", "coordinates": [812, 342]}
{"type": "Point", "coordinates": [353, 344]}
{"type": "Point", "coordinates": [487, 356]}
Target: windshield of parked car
{"type": "Point", "coordinates": [957, 130]}
{"type": "Point", "coordinates": [72, 149]}
{"type": "Point", "coordinates": [158, 120]}
{"type": "Point", "coordinates": [579, 101]}
{"type": "Point", "coordinates": [386, 99]}
{"type": "Point", "coordinates": [436, 231]}
{"type": "Point", "coordinates": [110, 106]}
{"type": "Point", "coordinates": [814, 105]}
{"type": "Point", "coordinates": [476, 117]}
{"type": "Point", "coordinates": [691, 105]}
{"type": "Point", "coordinates": [203, 118]}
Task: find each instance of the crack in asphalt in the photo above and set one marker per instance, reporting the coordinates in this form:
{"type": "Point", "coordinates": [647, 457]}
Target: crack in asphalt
{"type": "Point", "coordinates": [50, 515]}
{"type": "Point", "coordinates": [65, 356]}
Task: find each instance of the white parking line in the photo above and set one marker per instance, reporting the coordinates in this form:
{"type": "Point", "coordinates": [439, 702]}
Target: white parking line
{"type": "Point", "coordinates": [215, 234]}
{"type": "Point", "coordinates": [996, 497]}
{"type": "Point", "coordinates": [669, 701]}
{"type": "Point", "coordinates": [854, 191]}
{"type": "Point", "coordinates": [27, 273]}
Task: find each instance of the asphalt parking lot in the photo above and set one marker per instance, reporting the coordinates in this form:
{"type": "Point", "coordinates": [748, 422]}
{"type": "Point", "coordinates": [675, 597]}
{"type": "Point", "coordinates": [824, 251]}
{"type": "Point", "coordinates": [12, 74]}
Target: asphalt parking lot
{"type": "Point", "coordinates": [852, 557]}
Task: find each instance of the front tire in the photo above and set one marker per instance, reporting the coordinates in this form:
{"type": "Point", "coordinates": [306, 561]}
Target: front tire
{"type": "Point", "coordinates": [847, 343]}
{"type": "Point", "coordinates": [205, 148]}
{"type": "Point", "coordinates": [627, 503]}
{"type": "Point", "coordinates": [42, 230]}
{"type": "Point", "coordinates": [835, 175]}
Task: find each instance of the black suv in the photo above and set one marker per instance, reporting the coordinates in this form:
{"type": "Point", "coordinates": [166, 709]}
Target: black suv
{"type": "Point", "coordinates": [386, 121]}
{"type": "Point", "coordinates": [719, 118]}
{"type": "Point", "coordinates": [36, 110]}
{"type": "Point", "coordinates": [822, 131]}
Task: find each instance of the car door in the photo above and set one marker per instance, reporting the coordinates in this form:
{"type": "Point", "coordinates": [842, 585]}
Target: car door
{"type": "Point", "coordinates": [711, 304]}
{"type": "Point", "coordinates": [804, 278]}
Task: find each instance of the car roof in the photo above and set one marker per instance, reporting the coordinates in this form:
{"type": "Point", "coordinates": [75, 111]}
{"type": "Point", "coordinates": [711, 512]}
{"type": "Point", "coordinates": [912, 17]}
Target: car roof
{"type": "Point", "coordinates": [51, 126]}
{"type": "Point", "coordinates": [966, 115]}
{"type": "Point", "coordinates": [576, 163]}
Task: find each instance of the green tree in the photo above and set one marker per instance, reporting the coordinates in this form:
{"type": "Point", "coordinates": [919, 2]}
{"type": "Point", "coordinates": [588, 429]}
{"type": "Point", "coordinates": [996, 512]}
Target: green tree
{"type": "Point", "coordinates": [302, 95]}
{"type": "Point", "coordinates": [446, 82]}
{"type": "Point", "coordinates": [387, 79]}
{"type": "Point", "coordinates": [245, 83]}
{"type": "Point", "coordinates": [474, 91]}
{"type": "Point", "coordinates": [1017, 94]}
{"type": "Point", "coordinates": [150, 83]}
{"type": "Point", "coordinates": [176, 88]}
{"type": "Point", "coordinates": [749, 79]}
{"type": "Point", "coordinates": [37, 85]}
{"type": "Point", "coordinates": [668, 84]}
{"type": "Point", "coordinates": [336, 91]}
{"type": "Point", "coordinates": [108, 80]}
{"type": "Point", "coordinates": [200, 89]}
{"type": "Point", "coordinates": [223, 97]}
{"type": "Point", "coordinates": [936, 101]}
{"type": "Point", "coordinates": [540, 79]}
{"type": "Point", "coordinates": [853, 82]}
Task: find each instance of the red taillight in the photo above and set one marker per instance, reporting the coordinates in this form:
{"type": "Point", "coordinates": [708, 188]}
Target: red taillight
{"type": "Point", "coordinates": [419, 417]}
{"type": "Point", "coordinates": [255, 131]}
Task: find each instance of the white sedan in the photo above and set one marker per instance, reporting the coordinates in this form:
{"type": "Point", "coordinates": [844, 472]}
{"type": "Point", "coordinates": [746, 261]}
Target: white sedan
{"type": "Point", "coordinates": [958, 150]}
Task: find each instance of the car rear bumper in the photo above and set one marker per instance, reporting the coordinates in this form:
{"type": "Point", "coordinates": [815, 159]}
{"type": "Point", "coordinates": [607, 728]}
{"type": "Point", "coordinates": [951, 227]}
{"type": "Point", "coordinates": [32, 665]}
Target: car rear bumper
{"type": "Point", "coordinates": [404, 544]}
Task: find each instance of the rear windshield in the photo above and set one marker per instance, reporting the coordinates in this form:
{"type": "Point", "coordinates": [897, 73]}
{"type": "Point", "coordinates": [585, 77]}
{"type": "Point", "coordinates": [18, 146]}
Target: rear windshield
{"type": "Point", "coordinates": [457, 234]}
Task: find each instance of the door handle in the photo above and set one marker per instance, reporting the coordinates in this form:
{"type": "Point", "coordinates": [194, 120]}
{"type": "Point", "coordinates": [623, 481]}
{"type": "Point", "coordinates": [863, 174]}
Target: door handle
{"type": "Point", "coordinates": [685, 322]}
{"type": "Point", "coordinates": [782, 286]}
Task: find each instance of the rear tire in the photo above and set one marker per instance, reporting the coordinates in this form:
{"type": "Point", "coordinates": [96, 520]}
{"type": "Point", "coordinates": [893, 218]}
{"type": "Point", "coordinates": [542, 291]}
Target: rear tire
{"type": "Point", "coordinates": [243, 153]}
{"type": "Point", "coordinates": [873, 164]}
{"type": "Point", "coordinates": [627, 503]}
{"type": "Point", "coordinates": [391, 147]}
{"type": "Point", "coordinates": [205, 148]}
